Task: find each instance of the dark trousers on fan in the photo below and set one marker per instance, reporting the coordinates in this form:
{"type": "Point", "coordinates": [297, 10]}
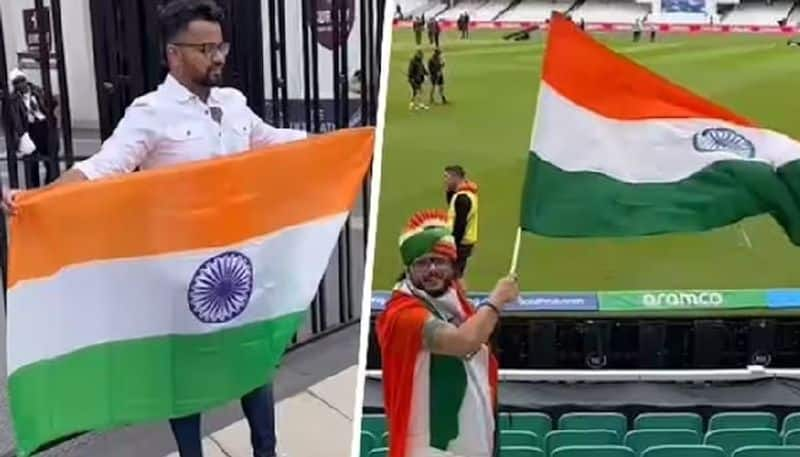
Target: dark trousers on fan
{"type": "Point", "coordinates": [259, 409]}
{"type": "Point", "coordinates": [464, 251]}
{"type": "Point", "coordinates": [39, 132]}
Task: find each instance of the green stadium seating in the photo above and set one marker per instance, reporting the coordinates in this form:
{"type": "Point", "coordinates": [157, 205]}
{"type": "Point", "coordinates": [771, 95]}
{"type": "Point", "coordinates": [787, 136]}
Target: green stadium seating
{"type": "Point", "coordinates": [368, 442]}
{"type": "Point", "coordinates": [593, 451]}
{"type": "Point", "coordinates": [767, 451]}
{"type": "Point", "coordinates": [742, 420]}
{"type": "Point", "coordinates": [731, 439]}
{"type": "Point", "coordinates": [538, 423]}
{"type": "Point", "coordinates": [792, 438]}
{"type": "Point", "coordinates": [385, 439]}
{"type": "Point", "coordinates": [678, 450]}
{"type": "Point", "coordinates": [520, 451]}
{"type": "Point", "coordinates": [639, 440]}
{"type": "Point", "coordinates": [374, 423]}
{"type": "Point", "coordinates": [560, 438]}
{"type": "Point", "coordinates": [519, 438]}
{"type": "Point", "coordinates": [687, 421]}
{"type": "Point", "coordinates": [594, 421]}
{"type": "Point", "coordinates": [791, 422]}
{"type": "Point", "coordinates": [504, 421]}
{"type": "Point", "coordinates": [379, 452]}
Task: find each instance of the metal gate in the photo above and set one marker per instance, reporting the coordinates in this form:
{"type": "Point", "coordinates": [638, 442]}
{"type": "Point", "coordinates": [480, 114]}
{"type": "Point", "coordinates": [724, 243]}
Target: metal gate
{"type": "Point", "coordinates": [42, 56]}
{"type": "Point", "coordinates": [327, 28]}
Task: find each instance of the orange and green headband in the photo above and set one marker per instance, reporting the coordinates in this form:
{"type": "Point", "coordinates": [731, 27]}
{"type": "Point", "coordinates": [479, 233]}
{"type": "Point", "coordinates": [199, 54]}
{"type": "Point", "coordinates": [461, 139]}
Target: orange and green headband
{"type": "Point", "coordinates": [427, 233]}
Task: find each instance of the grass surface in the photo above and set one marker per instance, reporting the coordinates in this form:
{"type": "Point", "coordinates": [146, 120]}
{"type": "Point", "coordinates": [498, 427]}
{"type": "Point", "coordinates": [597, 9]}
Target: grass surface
{"type": "Point", "coordinates": [493, 85]}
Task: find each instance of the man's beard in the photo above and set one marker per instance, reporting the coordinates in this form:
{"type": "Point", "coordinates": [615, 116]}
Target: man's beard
{"type": "Point", "coordinates": [213, 79]}
{"type": "Point", "coordinates": [435, 293]}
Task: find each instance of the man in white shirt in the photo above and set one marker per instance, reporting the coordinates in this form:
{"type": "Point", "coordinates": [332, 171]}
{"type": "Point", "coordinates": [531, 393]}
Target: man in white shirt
{"type": "Point", "coordinates": [188, 118]}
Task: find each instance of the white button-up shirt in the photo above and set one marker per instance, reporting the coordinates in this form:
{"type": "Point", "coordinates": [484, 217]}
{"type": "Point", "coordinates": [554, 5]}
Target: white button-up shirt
{"type": "Point", "coordinates": [171, 125]}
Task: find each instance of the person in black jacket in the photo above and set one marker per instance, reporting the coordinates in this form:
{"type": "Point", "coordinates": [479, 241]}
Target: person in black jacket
{"type": "Point", "coordinates": [416, 76]}
{"type": "Point", "coordinates": [30, 112]}
{"type": "Point", "coordinates": [434, 30]}
{"type": "Point", "coordinates": [419, 26]}
{"type": "Point", "coordinates": [436, 71]}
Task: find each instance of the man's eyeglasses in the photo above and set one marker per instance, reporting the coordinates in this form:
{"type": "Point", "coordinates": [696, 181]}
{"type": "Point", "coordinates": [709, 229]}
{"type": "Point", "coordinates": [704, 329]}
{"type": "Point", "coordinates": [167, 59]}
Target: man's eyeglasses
{"type": "Point", "coordinates": [209, 49]}
{"type": "Point", "coordinates": [426, 263]}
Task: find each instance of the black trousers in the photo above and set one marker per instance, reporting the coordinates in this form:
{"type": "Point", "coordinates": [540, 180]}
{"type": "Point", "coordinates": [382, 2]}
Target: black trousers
{"type": "Point", "coordinates": [40, 135]}
{"type": "Point", "coordinates": [464, 251]}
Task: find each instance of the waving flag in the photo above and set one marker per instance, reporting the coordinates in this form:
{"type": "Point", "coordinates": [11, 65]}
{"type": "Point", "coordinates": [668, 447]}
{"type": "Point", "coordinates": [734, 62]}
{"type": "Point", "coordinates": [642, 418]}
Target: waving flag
{"type": "Point", "coordinates": [165, 293]}
{"type": "Point", "coordinates": [620, 151]}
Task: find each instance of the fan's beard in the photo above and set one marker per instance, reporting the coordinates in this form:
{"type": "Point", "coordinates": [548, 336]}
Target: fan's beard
{"type": "Point", "coordinates": [434, 292]}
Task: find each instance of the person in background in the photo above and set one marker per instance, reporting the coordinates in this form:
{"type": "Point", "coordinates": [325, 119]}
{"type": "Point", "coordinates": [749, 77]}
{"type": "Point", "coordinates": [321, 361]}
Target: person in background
{"type": "Point", "coordinates": [434, 342]}
{"type": "Point", "coordinates": [434, 30]}
{"type": "Point", "coordinates": [416, 77]}
{"type": "Point", "coordinates": [462, 216]}
{"type": "Point", "coordinates": [436, 71]}
{"type": "Point", "coordinates": [637, 30]}
{"type": "Point", "coordinates": [189, 118]}
{"type": "Point", "coordinates": [419, 26]}
{"type": "Point", "coordinates": [33, 119]}
{"type": "Point", "coordinates": [466, 24]}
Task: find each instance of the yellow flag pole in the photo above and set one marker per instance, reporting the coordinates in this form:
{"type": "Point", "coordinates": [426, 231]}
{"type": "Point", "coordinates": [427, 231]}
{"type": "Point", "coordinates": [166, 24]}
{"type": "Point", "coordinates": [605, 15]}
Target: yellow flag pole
{"type": "Point", "coordinates": [515, 255]}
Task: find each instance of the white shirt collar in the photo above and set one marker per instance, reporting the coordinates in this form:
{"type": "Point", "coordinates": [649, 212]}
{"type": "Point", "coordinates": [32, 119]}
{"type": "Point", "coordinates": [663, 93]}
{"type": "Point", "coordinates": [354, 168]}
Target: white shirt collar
{"type": "Point", "coordinates": [173, 88]}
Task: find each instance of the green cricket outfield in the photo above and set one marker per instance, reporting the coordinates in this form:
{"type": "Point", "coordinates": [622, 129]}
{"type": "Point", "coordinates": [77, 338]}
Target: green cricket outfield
{"type": "Point", "coordinates": [492, 85]}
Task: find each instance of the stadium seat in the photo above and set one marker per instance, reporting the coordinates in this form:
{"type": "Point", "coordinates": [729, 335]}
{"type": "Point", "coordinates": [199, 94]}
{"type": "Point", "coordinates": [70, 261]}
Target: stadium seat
{"type": "Point", "coordinates": [374, 423]}
{"type": "Point", "coordinates": [686, 421]}
{"type": "Point", "coordinates": [767, 451]}
{"type": "Point", "coordinates": [593, 451]}
{"type": "Point", "coordinates": [538, 423]}
{"type": "Point", "coordinates": [742, 420]}
{"type": "Point", "coordinates": [519, 438]}
{"type": "Point", "coordinates": [792, 438]}
{"type": "Point", "coordinates": [731, 439]}
{"type": "Point", "coordinates": [385, 439]}
{"type": "Point", "coordinates": [504, 421]}
{"type": "Point", "coordinates": [639, 440]}
{"type": "Point", "coordinates": [678, 450]}
{"type": "Point", "coordinates": [368, 442]}
{"type": "Point", "coordinates": [520, 451]}
{"type": "Point", "coordinates": [379, 452]}
{"type": "Point", "coordinates": [790, 422]}
{"type": "Point", "coordinates": [594, 421]}
{"type": "Point", "coordinates": [561, 438]}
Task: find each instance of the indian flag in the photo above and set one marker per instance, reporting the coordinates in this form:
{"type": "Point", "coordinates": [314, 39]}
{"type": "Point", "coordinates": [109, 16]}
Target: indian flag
{"type": "Point", "coordinates": [620, 151]}
{"type": "Point", "coordinates": [165, 293]}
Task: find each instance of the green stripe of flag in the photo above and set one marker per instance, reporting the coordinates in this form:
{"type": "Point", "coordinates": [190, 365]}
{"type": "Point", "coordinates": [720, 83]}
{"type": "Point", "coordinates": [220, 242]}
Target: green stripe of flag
{"type": "Point", "coordinates": [448, 385]}
{"type": "Point", "coordinates": [116, 384]}
{"type": "Point", "coordinates": [582, 204]}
